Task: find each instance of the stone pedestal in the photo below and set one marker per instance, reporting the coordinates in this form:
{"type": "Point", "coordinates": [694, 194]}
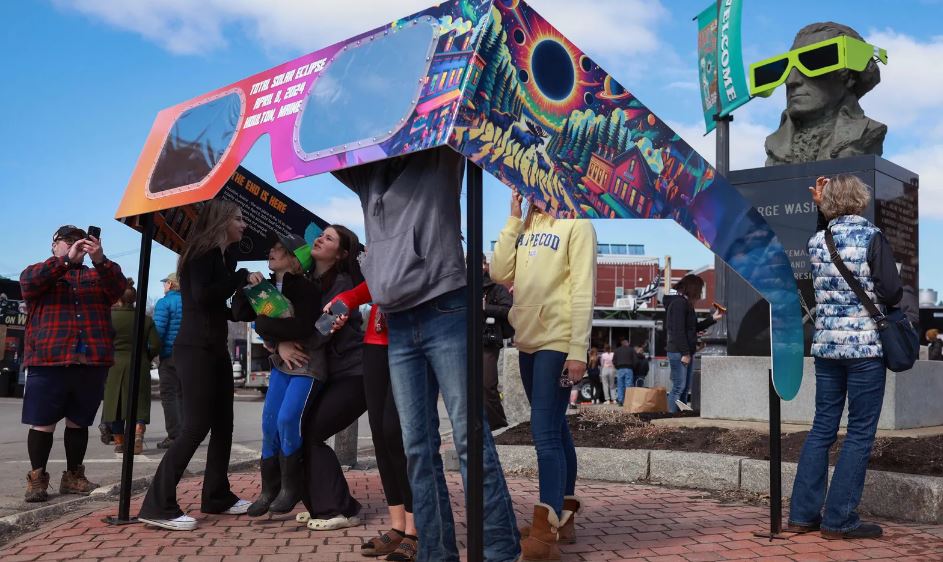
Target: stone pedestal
{"type": "Point", "coordinates": [735, 388]}
{"type": "Point", "coordinates": [781, 195]}
{"type": "Point", "coordinates": [516, 406]}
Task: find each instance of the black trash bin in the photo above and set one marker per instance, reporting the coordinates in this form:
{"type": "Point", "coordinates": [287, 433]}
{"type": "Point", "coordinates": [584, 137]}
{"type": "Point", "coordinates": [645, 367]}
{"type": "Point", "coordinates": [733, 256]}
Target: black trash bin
{"type": "Point", "coordinates": [8, 380]}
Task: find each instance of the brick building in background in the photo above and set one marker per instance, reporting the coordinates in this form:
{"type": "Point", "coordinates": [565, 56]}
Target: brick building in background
{"type": "Point", "coordinates": [624, 271]}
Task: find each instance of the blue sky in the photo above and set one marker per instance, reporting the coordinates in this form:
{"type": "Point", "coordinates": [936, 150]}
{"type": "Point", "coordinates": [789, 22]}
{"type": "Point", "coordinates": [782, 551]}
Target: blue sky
{"type": "Point", "coordinates": [85, 78]}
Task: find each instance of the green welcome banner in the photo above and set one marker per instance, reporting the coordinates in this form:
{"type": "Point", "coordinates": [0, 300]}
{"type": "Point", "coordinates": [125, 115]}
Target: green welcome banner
{"type": "Point", "coordinates": [707, 63]}
{"type": "Point", "coordinates": [720, 60]}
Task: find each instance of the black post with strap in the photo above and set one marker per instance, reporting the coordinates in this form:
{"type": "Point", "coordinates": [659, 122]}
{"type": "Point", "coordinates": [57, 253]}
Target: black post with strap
{"type": "Point", "coordinates": [474, 491]}
{"type": "Point", "coordinates": [134, 379]}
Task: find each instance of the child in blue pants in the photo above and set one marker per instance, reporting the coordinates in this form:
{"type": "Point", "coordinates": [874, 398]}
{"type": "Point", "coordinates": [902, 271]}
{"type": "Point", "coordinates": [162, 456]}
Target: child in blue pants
{"type": "Point", "coordinates": [293, 383]}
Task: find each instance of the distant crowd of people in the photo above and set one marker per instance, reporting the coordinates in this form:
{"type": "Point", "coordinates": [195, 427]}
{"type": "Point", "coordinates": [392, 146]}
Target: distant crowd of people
{"type": "Point", "coordinates": [410, 352]}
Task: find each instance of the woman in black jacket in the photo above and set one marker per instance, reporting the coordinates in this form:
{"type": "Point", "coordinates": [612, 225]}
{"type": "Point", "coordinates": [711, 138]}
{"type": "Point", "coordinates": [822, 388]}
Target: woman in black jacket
{"type": "Point", "coordinates": [342, 400]}
{"type": "Point", "coordinates": [682, 326]}
{"type": "Point", "coordinates": [208, 277]}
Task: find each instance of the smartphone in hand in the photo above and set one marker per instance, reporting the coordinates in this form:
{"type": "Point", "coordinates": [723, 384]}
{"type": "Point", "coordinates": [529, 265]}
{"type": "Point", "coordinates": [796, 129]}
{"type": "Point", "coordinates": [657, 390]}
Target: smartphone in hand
{"type": "Point", "coordinates": [95, 232]}
{"type": "Point", "coordinates": [326, 322]}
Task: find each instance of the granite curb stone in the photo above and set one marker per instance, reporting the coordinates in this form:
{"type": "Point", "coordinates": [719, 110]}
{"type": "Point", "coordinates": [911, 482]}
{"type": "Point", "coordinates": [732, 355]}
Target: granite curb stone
{"type": "Point", "coordinates": [887, 494]}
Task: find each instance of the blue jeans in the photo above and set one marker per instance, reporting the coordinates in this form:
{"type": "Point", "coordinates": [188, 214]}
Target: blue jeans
{"type": "Point", "coordinates": [680, 379]}
{"type": "Point", "coordinates": [623, 381]}
{"type": "Point", "coordinates": [862, 380]}
{"type": "Point", "coordinates": [285, 401]}
{"type": "Point", "coordinates": [556, 455]}
{"type": "Point", "coordinates": [427, 355]}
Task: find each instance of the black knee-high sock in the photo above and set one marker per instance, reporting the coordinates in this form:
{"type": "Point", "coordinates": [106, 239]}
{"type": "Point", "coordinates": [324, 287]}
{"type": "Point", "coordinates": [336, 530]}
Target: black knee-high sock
{"type": "Point", "coordinates": [39, 444]}
{"type": "Point", "coordinates": [76, 442]}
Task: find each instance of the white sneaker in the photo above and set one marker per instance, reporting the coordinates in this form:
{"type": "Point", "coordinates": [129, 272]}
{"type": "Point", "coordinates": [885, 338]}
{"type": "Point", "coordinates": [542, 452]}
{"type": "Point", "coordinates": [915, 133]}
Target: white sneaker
{"type": "Point", "coordinates": [182, 523]}
{"type": "Point", "coordinates": [238, 508]}
{"type": "Point", "coordinates": [683, 406]}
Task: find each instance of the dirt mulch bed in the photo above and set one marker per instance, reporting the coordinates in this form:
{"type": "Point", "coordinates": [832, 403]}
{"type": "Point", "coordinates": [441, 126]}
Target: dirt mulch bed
{"type": "Point", "coordinates": [614, 429]}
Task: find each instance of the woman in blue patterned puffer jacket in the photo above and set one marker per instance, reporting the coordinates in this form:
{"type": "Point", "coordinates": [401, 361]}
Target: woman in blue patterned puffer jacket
{"type": "Point", "coordinates": [848, 361]}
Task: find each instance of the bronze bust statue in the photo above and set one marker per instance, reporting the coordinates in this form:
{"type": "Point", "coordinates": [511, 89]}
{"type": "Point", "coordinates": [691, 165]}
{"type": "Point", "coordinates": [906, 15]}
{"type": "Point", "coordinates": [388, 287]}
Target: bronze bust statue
{"type": "Point", "coordinates": [823, 119]}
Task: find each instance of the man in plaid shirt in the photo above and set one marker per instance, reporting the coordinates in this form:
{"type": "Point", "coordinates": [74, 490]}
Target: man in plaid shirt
{"type": "Point", "coordinates": [69, 347]}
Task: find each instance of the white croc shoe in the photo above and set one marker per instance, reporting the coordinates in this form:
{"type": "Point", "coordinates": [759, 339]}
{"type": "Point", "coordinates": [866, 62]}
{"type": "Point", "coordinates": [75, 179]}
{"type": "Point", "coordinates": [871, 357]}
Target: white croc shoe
{"type": "Point", "coordinates": [334, 523]}
{"type": "Point", "coordinates": [238, 508]}
{"type": "Point", "coordinates": [182, 523]}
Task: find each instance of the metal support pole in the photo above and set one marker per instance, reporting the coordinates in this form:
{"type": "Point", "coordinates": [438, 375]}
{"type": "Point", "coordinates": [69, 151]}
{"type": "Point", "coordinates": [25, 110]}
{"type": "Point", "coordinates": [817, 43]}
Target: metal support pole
{"type": "Point", "coordinates": [722, 165]}
{"type": "Point", "coordinates": [775, 467]}
{"type": "Point", "coordinates": [131, 408]}
{"type": "Point", "coordinates": [474, 491]}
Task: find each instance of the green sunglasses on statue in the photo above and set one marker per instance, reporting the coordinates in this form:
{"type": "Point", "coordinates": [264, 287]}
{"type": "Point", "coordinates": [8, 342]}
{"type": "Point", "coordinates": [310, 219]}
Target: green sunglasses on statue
{"type": "Point", "coordinates": [813, 60]}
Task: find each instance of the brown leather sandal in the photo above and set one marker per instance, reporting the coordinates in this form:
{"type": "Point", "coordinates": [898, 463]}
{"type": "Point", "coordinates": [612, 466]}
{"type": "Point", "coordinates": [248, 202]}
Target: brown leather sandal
{"type": "Point", "coordinates": [385, 544]}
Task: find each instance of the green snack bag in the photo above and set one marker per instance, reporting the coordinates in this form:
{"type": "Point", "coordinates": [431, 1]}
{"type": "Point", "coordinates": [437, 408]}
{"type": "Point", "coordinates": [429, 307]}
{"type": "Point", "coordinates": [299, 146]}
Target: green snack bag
{"type": "Point", "coordinates": [267, 301]}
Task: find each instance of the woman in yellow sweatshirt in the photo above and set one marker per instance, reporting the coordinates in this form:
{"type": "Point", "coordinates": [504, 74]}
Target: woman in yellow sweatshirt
{"type": "Point", "coordinates": [552, 264]}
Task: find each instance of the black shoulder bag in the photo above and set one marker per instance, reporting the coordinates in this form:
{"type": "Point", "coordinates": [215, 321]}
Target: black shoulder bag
{"type": "Point", "coordinates": [898, 336]}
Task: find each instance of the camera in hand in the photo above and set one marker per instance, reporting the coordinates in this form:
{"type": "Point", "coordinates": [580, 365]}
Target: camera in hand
{"type": "Point", "coordinates": [326, 322]}
{"type": "Point", "coordinates": [491, 336]}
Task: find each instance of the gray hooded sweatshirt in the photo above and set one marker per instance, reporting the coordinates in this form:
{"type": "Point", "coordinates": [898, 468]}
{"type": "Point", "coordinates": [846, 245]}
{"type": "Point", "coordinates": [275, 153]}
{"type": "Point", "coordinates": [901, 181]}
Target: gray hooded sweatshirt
{"type": "Point", "coordinates": [413, 223]}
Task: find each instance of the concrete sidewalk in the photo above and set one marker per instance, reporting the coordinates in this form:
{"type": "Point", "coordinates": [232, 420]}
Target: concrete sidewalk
{"type": "Point", "coordinates": [618, 522]}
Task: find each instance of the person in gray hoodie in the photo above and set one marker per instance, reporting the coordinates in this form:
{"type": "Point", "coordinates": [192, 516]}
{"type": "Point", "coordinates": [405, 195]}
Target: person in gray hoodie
{"type": "Point", "coordinates": [416, 272]}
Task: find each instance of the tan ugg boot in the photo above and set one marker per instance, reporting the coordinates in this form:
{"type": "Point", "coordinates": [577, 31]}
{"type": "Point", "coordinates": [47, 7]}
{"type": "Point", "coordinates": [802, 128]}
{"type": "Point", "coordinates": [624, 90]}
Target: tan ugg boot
{"type": "Point", "coordinates": [541, 542]}
{"type": "Point", "coordinates": [568, 530]}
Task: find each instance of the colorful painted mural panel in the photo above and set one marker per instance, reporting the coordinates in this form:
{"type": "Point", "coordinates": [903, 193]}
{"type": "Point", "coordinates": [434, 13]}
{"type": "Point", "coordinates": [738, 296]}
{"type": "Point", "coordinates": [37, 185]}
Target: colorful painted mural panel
{"type": "Point", "coordinates": [546, 119]}
{"type": "Point", "coordinates": [498, 83]}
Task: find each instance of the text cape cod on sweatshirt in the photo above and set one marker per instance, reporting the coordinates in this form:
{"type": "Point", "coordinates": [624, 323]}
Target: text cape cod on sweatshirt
{"type": "Point", "coordinates": [553, 268]}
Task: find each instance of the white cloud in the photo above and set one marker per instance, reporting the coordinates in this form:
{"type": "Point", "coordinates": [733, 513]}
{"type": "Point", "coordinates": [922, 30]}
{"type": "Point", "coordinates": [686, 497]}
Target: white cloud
{"type": "Point", "coordinates": [911, 81]}
{"type": "Point", "coordinates": [340, 210]}
{"type": "Point", "coordinates": [611, 29]}
{"type": "Point", "coordinates": [614, 28]}
{"type": "Point", "coordinates": [191, 27]}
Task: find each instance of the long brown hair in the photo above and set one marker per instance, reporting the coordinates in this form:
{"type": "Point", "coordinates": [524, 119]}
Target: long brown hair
{"type": "Point", "coordinates": [532, 211]}
{"type": "Point", "coordinates": [209, 231]}
{"type": "Point", "coordinates": [349, 243]}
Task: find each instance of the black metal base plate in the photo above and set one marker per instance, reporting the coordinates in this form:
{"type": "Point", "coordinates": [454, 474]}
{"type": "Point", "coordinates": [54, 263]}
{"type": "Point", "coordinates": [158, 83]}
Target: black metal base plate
{"type": "Point", "coordinates": [771, 535]}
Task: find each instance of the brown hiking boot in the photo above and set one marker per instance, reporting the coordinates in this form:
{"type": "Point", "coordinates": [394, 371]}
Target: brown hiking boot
{"type": "Point", "coordinates": [37, 481]}
{"type": "Point", "coordinates": [568, 530]}
{"type": "Point", "coordinates": [541, 542]}
{"type": "Point", "coordinates": [139, 438]}
{"type": "Point", "coordinates": [75, 482]}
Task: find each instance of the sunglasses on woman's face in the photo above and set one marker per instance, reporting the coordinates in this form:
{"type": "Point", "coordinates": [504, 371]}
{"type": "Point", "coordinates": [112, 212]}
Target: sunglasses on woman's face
{"type": "Point", "coordinates": [813, 60]}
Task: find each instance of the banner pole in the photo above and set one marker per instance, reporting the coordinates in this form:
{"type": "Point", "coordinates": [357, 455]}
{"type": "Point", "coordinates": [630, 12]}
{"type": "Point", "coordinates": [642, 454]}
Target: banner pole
{"type": "Point", "coordinates": [475, 433]}
{"type": "Point", "coordinates": [134, 378]}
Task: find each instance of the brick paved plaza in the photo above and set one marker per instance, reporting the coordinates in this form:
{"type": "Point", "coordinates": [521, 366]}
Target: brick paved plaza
{"type": "Point", "coordinates": [618, 522]}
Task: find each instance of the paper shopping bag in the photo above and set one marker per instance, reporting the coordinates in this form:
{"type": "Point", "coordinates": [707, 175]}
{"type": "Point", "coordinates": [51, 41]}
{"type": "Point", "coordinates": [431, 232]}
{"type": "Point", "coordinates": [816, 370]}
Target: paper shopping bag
{"type": "Point", "coordinates": [646, 400]}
